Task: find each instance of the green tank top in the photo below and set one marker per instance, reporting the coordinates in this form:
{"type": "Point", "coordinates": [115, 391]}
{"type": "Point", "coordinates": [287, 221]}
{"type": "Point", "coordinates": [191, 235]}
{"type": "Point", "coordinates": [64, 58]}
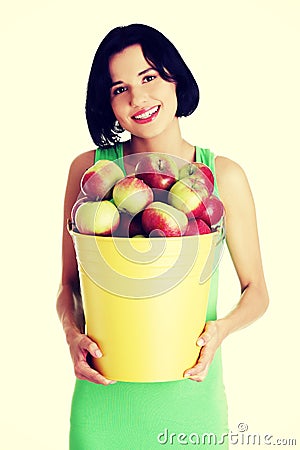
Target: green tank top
{"type": "Point", "coordinates": [152, 416]}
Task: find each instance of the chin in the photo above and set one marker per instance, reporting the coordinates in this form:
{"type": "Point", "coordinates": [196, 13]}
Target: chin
{"type": "Point", "coordinates": [152, 130]}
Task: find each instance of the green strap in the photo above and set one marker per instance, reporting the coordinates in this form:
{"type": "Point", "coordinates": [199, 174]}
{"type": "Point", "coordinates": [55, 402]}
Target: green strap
{"type": "Point", "coordinates": [114, 153]}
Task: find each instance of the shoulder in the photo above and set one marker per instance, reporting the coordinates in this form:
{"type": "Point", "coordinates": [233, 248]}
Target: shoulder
{"type": "Point", "coordinates": [77, 168]}
{"type": "Point", "coordinates": [231, 179]}
{"type": "Point", "coordinates": [229, 172]}
{"type": "Point", "coordinates": [83, 161]}
{"type": "Point", "coordinates": [227, 168]}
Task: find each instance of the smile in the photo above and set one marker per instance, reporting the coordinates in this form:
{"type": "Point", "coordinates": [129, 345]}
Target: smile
{"type": "Point", "coordinates": [146, 115]}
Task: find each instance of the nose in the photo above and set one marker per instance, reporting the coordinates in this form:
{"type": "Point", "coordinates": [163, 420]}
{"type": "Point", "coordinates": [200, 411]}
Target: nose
{"type": "Point", "coordinates": [138, 96]}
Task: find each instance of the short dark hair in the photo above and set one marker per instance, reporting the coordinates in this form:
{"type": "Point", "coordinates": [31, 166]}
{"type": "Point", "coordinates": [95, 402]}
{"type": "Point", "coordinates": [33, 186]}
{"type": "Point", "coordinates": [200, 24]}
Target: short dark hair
{"type": "Point", "coordinates": [159, 52]}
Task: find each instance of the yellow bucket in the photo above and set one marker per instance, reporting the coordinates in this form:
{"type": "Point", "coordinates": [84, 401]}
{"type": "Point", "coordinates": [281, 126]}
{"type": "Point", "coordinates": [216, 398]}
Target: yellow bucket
{"type": "Point", "coordinates": [144, 303]}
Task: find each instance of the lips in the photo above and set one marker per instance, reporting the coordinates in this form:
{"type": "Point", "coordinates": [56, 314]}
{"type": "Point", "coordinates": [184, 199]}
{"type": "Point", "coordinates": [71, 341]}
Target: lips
{"type": "Point", "coordinates": [146, 115]}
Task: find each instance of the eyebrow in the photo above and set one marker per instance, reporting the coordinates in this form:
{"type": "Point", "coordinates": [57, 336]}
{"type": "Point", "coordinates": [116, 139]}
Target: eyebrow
{"type": "Point", "coordinates": [115, 83]}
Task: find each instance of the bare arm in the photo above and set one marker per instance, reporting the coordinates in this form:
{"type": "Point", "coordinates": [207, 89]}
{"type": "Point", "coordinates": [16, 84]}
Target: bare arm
{"type": "Point", "coordinates": [69, 304]}
{"type": "Point", "coordinates": [243, 245]}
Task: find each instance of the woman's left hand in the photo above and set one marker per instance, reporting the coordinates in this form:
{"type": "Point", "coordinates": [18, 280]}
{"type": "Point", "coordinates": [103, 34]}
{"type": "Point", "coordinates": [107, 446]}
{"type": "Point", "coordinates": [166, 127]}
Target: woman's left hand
{"type": "Point", "coordinates": [209, 340]}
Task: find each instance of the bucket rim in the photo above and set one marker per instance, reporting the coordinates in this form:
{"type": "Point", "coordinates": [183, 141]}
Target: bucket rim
{"type": "Point", "coordinates": [136, 238]}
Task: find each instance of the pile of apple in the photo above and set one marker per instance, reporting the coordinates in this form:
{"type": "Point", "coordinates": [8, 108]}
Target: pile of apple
{"type": "Point", "coordinates": [158, 199]}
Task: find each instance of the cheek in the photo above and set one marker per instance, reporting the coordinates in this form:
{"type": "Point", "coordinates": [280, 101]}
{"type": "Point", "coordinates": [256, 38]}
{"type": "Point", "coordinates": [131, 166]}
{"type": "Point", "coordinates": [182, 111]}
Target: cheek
{"type": "Point", "coordinates": [172, 100]}
{"type": "Point", "coordinates": [171, 94]}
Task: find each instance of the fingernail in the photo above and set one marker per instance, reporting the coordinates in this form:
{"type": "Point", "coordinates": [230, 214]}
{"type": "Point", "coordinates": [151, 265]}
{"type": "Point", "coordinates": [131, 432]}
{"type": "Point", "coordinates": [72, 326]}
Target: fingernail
{"type": "Point", "coordinates": [200, 342]}
{"type": "Point", "coordinates": [187, 374]}
{"type": "Point", "coordinates": [112, 382]}
{"type": "Point", "coordinates": [98, 354]}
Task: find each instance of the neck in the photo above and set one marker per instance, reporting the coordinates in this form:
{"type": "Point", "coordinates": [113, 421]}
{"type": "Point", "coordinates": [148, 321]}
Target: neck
{"type": "Point", "coordinates": [170, 142]}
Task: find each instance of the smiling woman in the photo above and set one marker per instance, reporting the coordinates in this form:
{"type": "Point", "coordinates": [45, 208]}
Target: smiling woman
{"type": "Point", "coordinates": [158, 57]}
{"type": "Point", "coordinates": [142, 96]}
{"type": "Point", "coordinates": [140, 83]}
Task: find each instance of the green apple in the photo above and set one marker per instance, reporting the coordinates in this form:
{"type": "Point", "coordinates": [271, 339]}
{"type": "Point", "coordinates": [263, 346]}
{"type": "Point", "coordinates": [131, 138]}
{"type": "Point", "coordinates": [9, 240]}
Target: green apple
{"type": "Point", "coordinates": [98, 218]}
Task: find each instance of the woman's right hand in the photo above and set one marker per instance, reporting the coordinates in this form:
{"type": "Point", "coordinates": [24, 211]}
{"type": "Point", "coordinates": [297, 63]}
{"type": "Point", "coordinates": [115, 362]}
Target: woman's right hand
{"type": "Point", "coordinates": [80, 347]}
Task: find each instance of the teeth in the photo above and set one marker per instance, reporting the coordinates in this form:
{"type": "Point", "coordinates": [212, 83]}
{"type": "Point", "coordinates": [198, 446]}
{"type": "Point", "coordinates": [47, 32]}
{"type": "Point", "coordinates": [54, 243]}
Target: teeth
{"type": "Point", "coordinates": [147, 114]}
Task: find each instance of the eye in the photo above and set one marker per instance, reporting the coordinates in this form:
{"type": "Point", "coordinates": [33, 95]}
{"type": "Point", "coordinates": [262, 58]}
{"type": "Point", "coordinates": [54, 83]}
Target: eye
{"type": "Point", "coordinates": [119, 90]}
{"type": "Point", "coordinates": [149, 78]}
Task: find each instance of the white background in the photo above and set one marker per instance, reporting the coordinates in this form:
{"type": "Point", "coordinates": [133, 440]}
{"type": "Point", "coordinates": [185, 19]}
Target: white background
{"type": "Point", "coordinates": [245, 56]}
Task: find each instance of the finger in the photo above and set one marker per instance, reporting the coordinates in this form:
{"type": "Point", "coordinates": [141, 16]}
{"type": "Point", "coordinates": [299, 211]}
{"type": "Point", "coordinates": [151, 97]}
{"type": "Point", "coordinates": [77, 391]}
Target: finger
{"type": "Point", "coordinates": [91, 346]}
{"type": "Point", "coordinates": [203, 339]}
{"type": "Point", "coordinates": [201, 365]}
{"type": "Point", "coordinates": [194, 370]}
{"type": "Point", "coordinates": [94, 350]}
{"type": "Point", "coordinates": [198, 372]}
{"type": "Point", "coordinates": [199, 377]}
{"type": "Point", "coordinates": [84, 372]}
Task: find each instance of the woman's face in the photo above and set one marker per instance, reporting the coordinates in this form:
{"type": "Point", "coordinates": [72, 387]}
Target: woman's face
{"type": "Point", "coordinates": [144, 104]}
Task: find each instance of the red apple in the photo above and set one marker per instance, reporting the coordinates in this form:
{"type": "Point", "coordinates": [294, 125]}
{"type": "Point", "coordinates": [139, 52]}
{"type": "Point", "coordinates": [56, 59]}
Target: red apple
{"type": "Point", "coordinates": [213, 210]}
{"type": "Point", "coordinates": [206, 170]}
{"type": "Point", "coordinates": [201, 171]}
{"type": "Point", "coordinates": [197, 226]}
{"type": "Point", "coordinates": [158, 170]}
{"type": "Point", "coordinates": [129, 226]}
{"type": "Point", "coordinates": [132, 195]}
{"type": "Point", "coordinates": [100, 218]}
{"type": "Point", "coordinates": [97, 181]}
{"type": "Point", "coordinates": [161, 219]}
{"type": "Point", "coordinates": [188, 195]}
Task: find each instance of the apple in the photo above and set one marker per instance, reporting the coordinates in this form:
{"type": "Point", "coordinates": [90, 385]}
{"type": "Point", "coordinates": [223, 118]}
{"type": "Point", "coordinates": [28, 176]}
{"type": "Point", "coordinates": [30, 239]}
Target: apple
{"type": "Point", "coordinates": [97, 181]}
{"type": "Point", "coordinates": [132, 195]}
{"type": "Point", "coordinates": [201, 171]}
{"type": "Point", "coordinates": [129, 226]}
{"type": "Point", "coordinates": [158, 170]}
{"type": "Point", "coordinates": [197, 226]}
{"type": "Point", "coordinates": [188, 195]}
{"type": "Point", "coordinates": [161, 219]}
{"type": "Point", "coordinates": [206, 170]}
{"type": "Point", "coordinates": [100, 218]}
{"type": "Point", "coordinates": [213, 210]}
{"type": "Point", "coordinates": [76, 205]}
